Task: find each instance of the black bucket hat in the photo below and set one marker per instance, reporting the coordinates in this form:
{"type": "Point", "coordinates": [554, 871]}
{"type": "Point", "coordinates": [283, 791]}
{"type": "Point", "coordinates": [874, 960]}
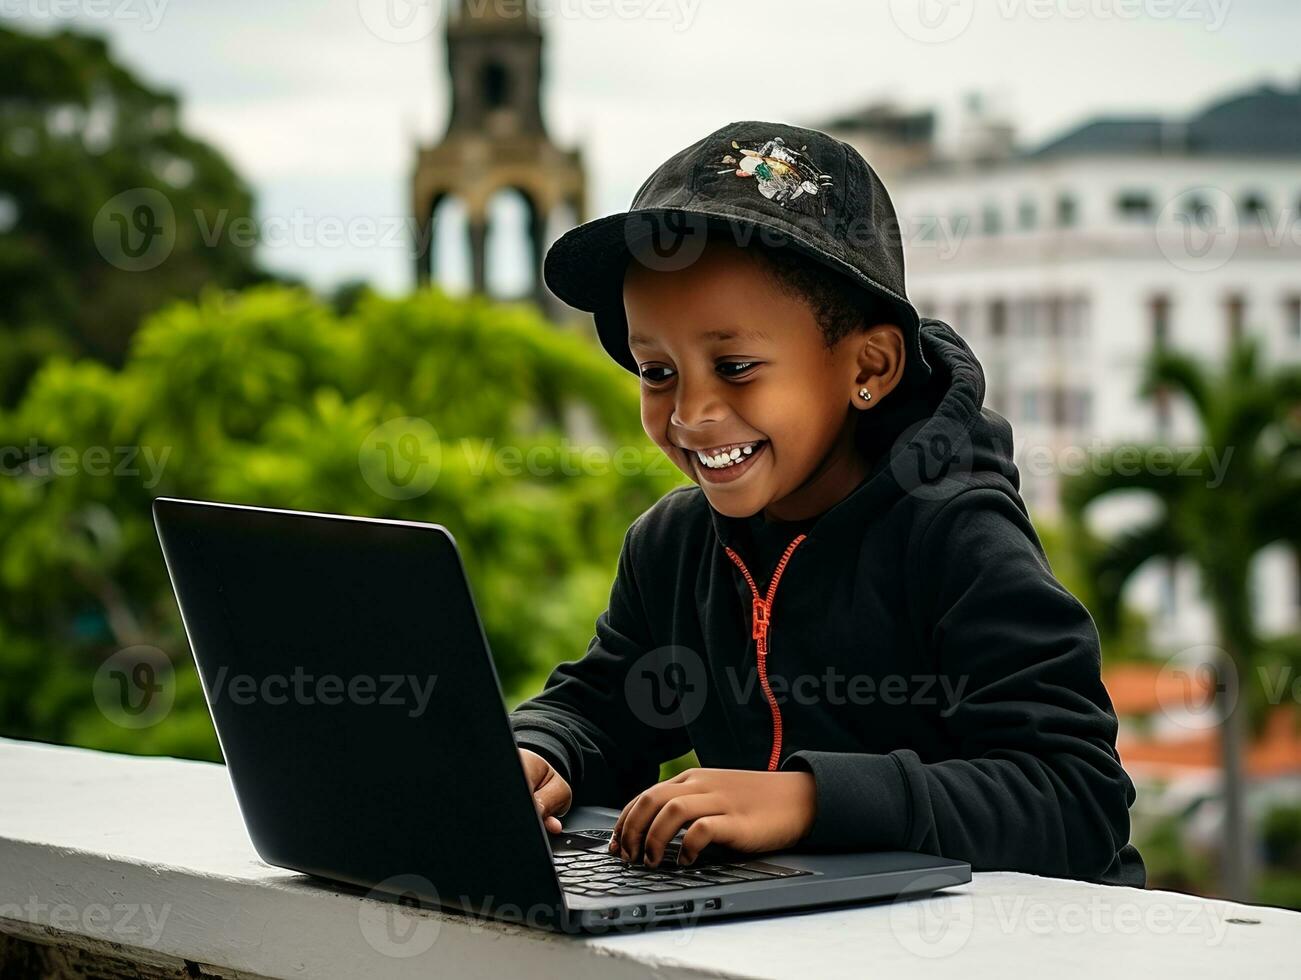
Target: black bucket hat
{"type": "Point", "coordinates": [762, 183]}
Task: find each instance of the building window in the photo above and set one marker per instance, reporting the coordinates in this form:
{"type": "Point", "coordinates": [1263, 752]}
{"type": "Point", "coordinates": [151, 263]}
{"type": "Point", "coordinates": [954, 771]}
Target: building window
{"type": "Point", "coordinates": [991, 221]}
{"type": "Point", "coordinates": [1027, 316]}
{"type": "Point", "coordinates": [1235, 316]}
{"type": "Point", "coordinates": [1169, 587]}
{"type": "Point", "coordinates": [1077, 317]}
{"type": "Point", "coordinates": [495, 85]}
{"type": "Point", "coordinates": [962, 316]}
{"type": "Point", "coordinates": [1292, 318]}
{"type": "Point", "coordinates": [1030, 405]}
{"type": "Point", "coordinates": [1027, 215]}
{"type": "Point", "coordinates": [1255, 212]}
{"type": "Point", "coordinates": [1067, 211]}
{"type": "Point", "coordinates": [1079, 408]}
{"type": "Point", "coordinates": [1135, 206]}
{"type": "Point", "coordinates": [998, 398]}
{"type": "Point", "coordinates": [1056, 316]}
{"type": "Point", "coordinates": [1159, 318]}
{"type": "Point", "coordinates": [1197, 208]}
{"type": "Point", "coordinates": [997, 318]}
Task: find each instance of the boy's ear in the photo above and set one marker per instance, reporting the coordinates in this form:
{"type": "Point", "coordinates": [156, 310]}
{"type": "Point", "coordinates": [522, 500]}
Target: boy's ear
{"type": "Point", "coordinates": [880, 353]}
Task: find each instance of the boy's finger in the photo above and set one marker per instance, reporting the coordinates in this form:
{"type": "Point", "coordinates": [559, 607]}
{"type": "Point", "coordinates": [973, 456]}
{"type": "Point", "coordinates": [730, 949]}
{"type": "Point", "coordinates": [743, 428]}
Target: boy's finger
{"type": "Point", "coordinates": [553, 797]}
{"type": "Point", "coordinates": [640, 814]}
{"type": "Point", "coordinates": [706, 830]}
{"type": "Point", "coordinates": [673, 816]}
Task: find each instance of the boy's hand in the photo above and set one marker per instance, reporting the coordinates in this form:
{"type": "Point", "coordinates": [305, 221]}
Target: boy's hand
{"type": "Point", "coordinates": [737, 808]}
{"type": "Point", "coordinates": [551, 794]}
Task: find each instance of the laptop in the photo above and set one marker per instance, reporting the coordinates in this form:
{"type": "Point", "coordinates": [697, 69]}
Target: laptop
{"type": "Point", "coordinates": [363, 726]}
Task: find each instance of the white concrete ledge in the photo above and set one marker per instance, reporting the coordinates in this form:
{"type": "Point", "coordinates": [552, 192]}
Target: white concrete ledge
{"type": "Point", "coordinates": [148, 859]}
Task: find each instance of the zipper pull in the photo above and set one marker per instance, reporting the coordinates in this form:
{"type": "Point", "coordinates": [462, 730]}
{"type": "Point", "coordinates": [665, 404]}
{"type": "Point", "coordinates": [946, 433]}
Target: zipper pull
{"type": "Point", "coordinates": [760, 618]}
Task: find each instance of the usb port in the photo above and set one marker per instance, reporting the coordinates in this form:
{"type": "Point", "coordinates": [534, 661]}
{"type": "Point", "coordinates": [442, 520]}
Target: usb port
{"type": "Point", "coordinates": [712, 903]}
{"type": "Point", "coordinates": [673, 908]}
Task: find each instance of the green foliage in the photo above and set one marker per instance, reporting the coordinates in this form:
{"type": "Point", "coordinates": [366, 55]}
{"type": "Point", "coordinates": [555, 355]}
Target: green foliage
{"type": "Point", "coordinates": [84, 143]}
{"type": "Point", "coordinates": [1250, 418]}
{"type": "Point", "coordinates": [1124, 634]}
{"type": "Point", "coordinates": [270, 397]}
{"type": "Point", "coordinates": [1280, 835]}
{"type": "Point", "coordinates": [1250, 426]}
{"type": "Point", "coordinates": [1171, 866]}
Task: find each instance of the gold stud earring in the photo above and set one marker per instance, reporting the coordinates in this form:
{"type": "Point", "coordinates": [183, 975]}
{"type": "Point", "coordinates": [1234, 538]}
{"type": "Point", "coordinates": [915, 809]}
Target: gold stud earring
{"type": "Point", "coordinates": [864, 394]}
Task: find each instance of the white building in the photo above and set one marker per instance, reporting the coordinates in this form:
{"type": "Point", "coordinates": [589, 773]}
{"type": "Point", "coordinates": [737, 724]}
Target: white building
{"type": "Point", "coordinates": [1064, 264]}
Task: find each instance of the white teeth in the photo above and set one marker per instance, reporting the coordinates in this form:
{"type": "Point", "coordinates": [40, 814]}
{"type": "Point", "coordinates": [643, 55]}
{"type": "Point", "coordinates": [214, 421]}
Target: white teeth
{"type": "Point", "coordinates": [726, 458]}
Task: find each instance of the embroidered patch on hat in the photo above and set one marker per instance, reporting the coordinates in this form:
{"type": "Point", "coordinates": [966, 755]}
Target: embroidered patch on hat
{"type": "Point", "coordinates": [783, 174]}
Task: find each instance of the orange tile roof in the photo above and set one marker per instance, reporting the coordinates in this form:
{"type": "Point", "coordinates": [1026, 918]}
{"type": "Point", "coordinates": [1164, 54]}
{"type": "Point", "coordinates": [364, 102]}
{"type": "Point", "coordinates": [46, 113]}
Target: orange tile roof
{"type": "Point", "coordinates": [1140, 688]}
{"type": "Point", "coordinates": [1143, 688]}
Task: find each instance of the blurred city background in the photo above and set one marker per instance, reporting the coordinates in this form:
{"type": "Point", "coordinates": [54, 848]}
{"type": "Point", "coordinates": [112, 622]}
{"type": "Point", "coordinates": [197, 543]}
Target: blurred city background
{"type": "Point", "coordinates": [288, 254]}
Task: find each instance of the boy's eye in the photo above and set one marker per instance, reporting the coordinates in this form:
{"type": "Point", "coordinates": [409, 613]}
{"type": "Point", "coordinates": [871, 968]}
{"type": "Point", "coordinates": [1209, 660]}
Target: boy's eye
{"type": "Point", "coordinates": [734, 369]}
{"type": "Point", "coordinates": [650, 376]}
{"type": "Point", "coordinates": [657, 374]}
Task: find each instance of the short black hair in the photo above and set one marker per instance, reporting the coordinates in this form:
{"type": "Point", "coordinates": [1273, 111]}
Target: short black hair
{"type": "Point", "coordinates": [840, 307]}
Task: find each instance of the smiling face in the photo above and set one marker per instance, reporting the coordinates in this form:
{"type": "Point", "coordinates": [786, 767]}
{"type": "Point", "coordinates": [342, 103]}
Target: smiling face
{"type": "Point", "coordinates": [734, 365]}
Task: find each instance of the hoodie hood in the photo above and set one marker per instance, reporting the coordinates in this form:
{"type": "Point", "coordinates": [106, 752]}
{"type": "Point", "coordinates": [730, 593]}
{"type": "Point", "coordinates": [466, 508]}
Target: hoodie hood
{"type": "Point", "coordinates": [928, 443]}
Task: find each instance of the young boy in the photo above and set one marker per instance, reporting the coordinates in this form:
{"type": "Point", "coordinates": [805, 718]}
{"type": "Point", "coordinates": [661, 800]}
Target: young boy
{"type": "Point", "coordinates": [849, 616]}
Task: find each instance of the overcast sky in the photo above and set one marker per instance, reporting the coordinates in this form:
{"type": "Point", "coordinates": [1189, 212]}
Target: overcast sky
{"type": "Point", "coordinates": [318, 102]}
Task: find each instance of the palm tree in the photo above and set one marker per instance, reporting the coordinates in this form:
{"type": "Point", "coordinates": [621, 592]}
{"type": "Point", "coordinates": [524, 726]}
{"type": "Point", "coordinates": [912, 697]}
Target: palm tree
{"type": "Point", "coordinates": [1251, 422]}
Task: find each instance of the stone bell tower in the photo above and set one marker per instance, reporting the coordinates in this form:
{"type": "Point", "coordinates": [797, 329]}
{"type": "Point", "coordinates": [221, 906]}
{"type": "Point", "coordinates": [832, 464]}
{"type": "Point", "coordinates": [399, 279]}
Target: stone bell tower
{"type": "Point", "coordinates": [496, 139]}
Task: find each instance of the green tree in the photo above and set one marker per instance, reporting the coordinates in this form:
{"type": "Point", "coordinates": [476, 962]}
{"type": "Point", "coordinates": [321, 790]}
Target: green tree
{"type": "Point", "coordinates": [1124, 633]}
{"type": "Point", "coordinates": [1249, 421]}
{"type": "Point", "coordinates": [270, 397]}
{"type": "Point", "coordinates": [108, 209]}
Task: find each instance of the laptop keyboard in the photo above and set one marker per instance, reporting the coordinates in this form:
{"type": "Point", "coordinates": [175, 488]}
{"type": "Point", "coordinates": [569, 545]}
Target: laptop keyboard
{"type": "Point", "coordinates": [596, 872]}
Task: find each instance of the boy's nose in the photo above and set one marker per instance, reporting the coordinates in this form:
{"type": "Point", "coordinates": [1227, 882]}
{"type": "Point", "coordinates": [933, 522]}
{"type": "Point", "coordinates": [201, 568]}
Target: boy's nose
{"type": "Point", "coordinates": [696, 405]}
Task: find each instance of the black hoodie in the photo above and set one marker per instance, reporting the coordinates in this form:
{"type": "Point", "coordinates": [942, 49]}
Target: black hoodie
{"type": "Point", "coordinates": [921, 660]}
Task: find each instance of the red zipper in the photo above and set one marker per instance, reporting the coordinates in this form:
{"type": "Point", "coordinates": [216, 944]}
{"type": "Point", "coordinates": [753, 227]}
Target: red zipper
{"type": "Point", "coordinates": [761, 619]}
